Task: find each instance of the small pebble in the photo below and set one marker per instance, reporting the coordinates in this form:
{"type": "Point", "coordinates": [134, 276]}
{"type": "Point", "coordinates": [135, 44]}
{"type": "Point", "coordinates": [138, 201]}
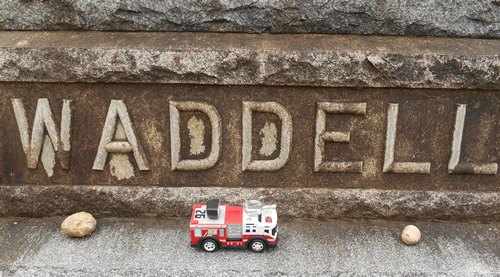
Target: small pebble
{"type": "Point", "coordinates": [79, 225]}
{"type": "Point", "coordinates": [411, 235]}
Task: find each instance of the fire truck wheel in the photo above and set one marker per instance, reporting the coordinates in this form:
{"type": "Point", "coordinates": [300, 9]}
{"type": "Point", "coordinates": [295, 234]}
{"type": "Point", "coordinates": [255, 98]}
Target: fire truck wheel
{"type": "Point", "coordinates": [257, 245]}
{"type": "Point", "coordinates": [209, 245]}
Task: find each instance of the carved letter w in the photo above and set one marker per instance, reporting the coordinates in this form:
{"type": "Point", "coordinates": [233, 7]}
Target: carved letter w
{"type": "Point", "coordinates": [44, 134]}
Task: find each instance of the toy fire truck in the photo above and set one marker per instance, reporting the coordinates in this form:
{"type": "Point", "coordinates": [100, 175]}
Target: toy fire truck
{"type": "Point", "coordinates": [253, 225]}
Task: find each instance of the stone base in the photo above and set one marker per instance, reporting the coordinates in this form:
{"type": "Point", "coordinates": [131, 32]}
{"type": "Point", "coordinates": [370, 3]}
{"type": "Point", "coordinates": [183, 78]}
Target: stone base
{"type": "Point", "coordinates": [39, 201]}
{"type": "Point", "coordinates": [437, 81]}
{"type": "Point", "coordinates": [152, 247]}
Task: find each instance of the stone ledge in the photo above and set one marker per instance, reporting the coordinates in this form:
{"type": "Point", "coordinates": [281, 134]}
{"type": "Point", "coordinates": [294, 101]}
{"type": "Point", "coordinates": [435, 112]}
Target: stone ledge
{"type": "Point", "coordinates": [159, 247]}
{"type": "Point", "coordinates": [473, 18]}
{"type": "Point", "coordinates": [39, 201]}
{"type": "Point", "coordinates": [248, 59]}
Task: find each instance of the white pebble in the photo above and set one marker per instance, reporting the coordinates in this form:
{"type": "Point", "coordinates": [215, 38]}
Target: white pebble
{"type": "Point", "coordinates": [411, 235]}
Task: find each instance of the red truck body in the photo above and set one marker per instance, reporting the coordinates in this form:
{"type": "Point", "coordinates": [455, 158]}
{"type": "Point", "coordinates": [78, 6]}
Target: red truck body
{"type": "Point", "coordinates": [252, 226]}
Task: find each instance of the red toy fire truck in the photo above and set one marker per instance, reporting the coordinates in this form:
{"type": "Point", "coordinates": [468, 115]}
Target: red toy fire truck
{"type": "Point", "coordinates": [253, 225]}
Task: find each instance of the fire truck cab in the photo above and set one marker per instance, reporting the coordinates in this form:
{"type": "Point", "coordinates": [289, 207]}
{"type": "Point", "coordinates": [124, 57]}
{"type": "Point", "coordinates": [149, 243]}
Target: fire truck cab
{"type": "Point", "coordinates": [253, 225]}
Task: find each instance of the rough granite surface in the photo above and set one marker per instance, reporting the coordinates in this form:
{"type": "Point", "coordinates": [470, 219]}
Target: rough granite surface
{"type": "Point", "coordinates": [40, 201]}
{"type": "Point", "coordinates": [471, 18]}
{"type": "Point", "coordinates": [160, 247]}
{"type": "Point", "coordinates": [249, 59]}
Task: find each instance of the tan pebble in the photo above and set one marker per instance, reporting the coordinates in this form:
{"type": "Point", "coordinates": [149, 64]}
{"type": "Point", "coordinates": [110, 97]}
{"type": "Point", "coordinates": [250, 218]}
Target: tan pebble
{"type": "Point", "coordinates": [79, 225]}
{"type": "Point", "coordinates": [411, 235]}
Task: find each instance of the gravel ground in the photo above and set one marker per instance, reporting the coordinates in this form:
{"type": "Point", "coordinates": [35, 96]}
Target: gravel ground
{"type": "Point", "coordinates": [150, 247]}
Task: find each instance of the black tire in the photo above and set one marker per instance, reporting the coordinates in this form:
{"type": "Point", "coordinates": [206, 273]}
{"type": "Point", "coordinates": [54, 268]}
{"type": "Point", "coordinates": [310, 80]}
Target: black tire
{"type": "Point", "coordinates": [257, 245]}
{"type": "Point", "coordinates": [209, 245]}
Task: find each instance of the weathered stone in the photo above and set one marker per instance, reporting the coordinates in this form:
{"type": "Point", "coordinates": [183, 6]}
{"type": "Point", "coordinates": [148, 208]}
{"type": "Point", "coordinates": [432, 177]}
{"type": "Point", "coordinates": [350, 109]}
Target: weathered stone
{"type": "Point", "coordinates": [381, 125]}
{"type": "Point", "coordinates": [79, 225]}
{"type": "Point", "coordinates": [134, 201]}
{"type": "Point", "coordinates": [424, 133]}
{"type": "Point", "coordinates": [411, 235]}
{"type": "Point", "coordinates": [158, 247]}
{"type": "Point", "coordinates": [249, 59]}
{"type": "Point", "coordinates": [474, 18]}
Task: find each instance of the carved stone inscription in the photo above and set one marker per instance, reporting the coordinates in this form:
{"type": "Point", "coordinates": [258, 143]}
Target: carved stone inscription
{"type": "Point", "coordinates": [390, 166]}
{"type": "Point", "coordinates": [268, 132]}
{"type": "Point", "coordinates": [118, 138]}
{"type": "Point", "coordinates": [454, 166]}
{"type": "Point", "coordinates": [45, 140]}
{"type": "Point", "coordinates": [196, 130]}
{"type": "Point", "coordinates": [180, 135]}
{"type": "Point", "coordinates": [322, 136]}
